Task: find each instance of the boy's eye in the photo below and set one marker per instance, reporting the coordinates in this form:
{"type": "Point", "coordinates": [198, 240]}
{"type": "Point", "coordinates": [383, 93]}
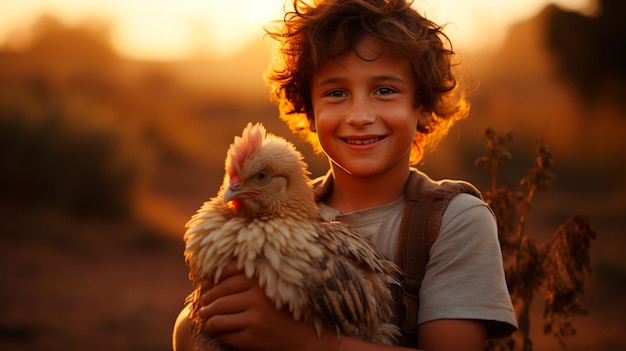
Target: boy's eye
{"type": "Point", "coordinates": [385, 91]}
{"type": "Point", "coordinates": [336, 93]}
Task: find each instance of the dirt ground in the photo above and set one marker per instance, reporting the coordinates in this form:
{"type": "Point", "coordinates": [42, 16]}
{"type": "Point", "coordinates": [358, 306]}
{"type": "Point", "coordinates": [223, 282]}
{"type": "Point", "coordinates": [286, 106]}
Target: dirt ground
{"type": "Point", "coordinates": [89, 287]}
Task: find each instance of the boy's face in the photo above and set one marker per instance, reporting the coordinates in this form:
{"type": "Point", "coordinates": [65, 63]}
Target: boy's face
{"type": "Point", "coordinates": [364, 110]}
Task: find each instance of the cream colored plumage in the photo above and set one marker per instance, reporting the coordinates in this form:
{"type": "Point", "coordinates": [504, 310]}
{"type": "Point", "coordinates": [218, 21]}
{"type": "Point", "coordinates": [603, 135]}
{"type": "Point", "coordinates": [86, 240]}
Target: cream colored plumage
{"type": "Point", "coordinates": [265, 217]}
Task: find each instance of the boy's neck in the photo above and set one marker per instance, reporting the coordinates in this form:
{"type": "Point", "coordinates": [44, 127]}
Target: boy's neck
{"type": "Point", "coordinates": [351, 193]}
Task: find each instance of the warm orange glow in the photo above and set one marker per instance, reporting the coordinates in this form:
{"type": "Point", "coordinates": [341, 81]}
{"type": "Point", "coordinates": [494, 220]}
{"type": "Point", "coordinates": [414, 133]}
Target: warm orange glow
{"type": "Point", "coordinates": [174, 29]}
{"type": "Point", "coordinates": [483, 24]}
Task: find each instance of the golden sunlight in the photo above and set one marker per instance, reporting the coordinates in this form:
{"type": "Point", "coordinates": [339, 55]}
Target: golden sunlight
{"type": "Point", "coordinates": [483, 24]}
{"type": "Point", "coordinates": [169, 30]}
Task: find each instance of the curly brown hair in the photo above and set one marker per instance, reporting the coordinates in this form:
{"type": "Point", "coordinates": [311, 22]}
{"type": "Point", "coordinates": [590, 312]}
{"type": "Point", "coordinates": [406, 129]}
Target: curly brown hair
{"type": "Point", "coordinates": [310, 35]}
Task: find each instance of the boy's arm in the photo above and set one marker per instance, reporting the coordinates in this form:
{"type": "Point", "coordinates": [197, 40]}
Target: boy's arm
{"type": "Point", "coordinates": [238, 311]}
{"type": "Point", "coordinates": [436, 335]}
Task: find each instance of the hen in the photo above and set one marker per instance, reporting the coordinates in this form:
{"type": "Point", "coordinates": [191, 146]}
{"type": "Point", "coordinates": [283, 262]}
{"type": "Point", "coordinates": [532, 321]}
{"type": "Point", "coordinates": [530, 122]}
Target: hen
{"type": "Point", "coordinates": [266, 218]}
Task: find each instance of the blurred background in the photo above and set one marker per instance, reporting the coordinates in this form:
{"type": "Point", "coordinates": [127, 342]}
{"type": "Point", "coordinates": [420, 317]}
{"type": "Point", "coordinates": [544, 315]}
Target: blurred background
{"type": "Point", "coordinates": [115, 118]}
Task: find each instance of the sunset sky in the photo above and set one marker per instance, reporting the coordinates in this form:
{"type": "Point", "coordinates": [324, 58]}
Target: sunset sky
{"type": "Point", "coordinates": [173, 29]}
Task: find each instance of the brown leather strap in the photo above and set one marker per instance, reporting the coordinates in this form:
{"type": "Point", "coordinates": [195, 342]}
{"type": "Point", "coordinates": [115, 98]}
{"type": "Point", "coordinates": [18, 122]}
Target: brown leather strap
{"type": "Point", "coordinates": [412, 258]}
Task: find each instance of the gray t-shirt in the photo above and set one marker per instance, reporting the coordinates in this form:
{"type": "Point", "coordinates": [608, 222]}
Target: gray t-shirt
{"type": "Point", "coordinates": [464, 279]}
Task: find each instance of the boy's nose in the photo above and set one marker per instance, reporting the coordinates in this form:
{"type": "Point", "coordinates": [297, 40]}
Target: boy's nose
{"type": "Point", "coordinates": [360, 115]}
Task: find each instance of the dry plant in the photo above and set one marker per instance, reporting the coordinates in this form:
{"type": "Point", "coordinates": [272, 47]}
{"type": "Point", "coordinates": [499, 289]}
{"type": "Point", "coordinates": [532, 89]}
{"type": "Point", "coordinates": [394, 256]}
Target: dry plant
{"type": "Point", "coordinates": [558, 265]}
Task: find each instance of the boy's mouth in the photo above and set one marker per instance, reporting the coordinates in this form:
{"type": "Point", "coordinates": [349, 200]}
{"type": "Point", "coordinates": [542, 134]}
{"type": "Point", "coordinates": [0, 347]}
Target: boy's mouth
{"type": "Point", "coordinates": [362, 141]}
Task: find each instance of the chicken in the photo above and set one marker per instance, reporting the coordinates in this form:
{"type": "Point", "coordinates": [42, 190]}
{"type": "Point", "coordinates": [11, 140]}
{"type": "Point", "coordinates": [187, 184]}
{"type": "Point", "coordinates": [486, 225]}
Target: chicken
{"type": "Point", "coordinates": [266, 218]}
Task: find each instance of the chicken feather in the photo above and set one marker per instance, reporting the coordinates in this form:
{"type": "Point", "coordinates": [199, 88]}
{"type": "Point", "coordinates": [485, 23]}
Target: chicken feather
{"type": "Point", "coordinates": [265, 217]}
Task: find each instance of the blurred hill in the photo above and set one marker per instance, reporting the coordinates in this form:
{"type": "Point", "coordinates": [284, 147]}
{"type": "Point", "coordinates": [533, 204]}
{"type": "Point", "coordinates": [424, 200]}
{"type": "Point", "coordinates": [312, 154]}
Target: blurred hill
{"type": "Point", "coordinates": [590, 53]}
{"type": "Point", "coordinates": [103, 159]}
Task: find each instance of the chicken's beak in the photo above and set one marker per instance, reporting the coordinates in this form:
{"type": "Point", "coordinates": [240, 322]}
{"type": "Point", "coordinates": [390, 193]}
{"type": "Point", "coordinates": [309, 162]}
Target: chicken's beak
{"type": "Point", "coordinates": [234, 192]}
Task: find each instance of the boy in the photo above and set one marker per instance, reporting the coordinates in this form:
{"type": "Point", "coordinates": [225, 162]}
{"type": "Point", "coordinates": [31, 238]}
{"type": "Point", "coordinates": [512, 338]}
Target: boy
{"type": "Point", "coordinates": [369, 83]}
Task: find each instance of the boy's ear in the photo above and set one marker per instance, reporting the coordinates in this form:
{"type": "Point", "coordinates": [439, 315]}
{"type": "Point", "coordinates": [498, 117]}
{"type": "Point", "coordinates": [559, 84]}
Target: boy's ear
{"type": "Point", "coordinates": [423, 120]}
{"type": "Point", "coordinates": [311, 119]}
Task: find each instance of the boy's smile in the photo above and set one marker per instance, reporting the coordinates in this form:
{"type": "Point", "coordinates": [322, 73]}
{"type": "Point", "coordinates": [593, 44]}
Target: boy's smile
{"type": "Point", "coordinates": [364, 108]}
{"type": "Point", "coordinates": [362, 140]}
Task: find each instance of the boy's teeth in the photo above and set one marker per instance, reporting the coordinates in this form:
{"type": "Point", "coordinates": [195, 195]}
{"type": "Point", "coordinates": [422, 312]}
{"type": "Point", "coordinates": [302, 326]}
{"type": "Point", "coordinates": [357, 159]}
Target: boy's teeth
{"type": "Point", "coordinates": [362, 141]}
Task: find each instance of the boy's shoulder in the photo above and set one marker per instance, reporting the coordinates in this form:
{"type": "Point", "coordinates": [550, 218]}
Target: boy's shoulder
{"type": "Point", "coordinates": [420, 187]}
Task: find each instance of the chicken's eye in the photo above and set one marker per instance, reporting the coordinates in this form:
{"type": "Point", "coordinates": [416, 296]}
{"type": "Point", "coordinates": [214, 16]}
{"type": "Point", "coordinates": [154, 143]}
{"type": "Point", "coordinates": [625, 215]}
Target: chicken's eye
{"type": "Point", "coordinates": [262, 176]}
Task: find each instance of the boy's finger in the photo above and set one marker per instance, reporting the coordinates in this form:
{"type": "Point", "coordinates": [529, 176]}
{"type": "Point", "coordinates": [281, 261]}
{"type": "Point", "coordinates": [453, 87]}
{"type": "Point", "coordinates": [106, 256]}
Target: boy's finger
{"type": "Point", "coordinates": [207, 283]}
{"type": "Point", "coordinates": [233, 284]}
{"type": "Point", "coordinates": [230, 270]}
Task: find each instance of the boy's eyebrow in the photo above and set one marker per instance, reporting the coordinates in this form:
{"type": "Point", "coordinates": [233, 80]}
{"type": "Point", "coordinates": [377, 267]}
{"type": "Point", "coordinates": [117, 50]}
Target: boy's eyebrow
{"type": "Point", "coordinates": [332, 80]}
{"type": "Point", "coordinates": [381, 78]}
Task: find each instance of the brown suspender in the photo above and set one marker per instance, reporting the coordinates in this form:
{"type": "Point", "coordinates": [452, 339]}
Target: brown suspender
{"type": "Point", "coordinates": [418, 231]}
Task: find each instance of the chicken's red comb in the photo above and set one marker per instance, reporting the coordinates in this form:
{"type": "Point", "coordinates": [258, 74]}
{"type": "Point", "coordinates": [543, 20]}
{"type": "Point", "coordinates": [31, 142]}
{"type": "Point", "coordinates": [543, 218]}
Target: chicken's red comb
{"type": "Point", "coordinates": [248, 144]}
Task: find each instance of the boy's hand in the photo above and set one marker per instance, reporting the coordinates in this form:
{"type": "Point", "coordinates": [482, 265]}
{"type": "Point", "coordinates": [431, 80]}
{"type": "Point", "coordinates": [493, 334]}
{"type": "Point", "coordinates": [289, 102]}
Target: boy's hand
{"type": "Point", "coordinates": [239, 313]}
